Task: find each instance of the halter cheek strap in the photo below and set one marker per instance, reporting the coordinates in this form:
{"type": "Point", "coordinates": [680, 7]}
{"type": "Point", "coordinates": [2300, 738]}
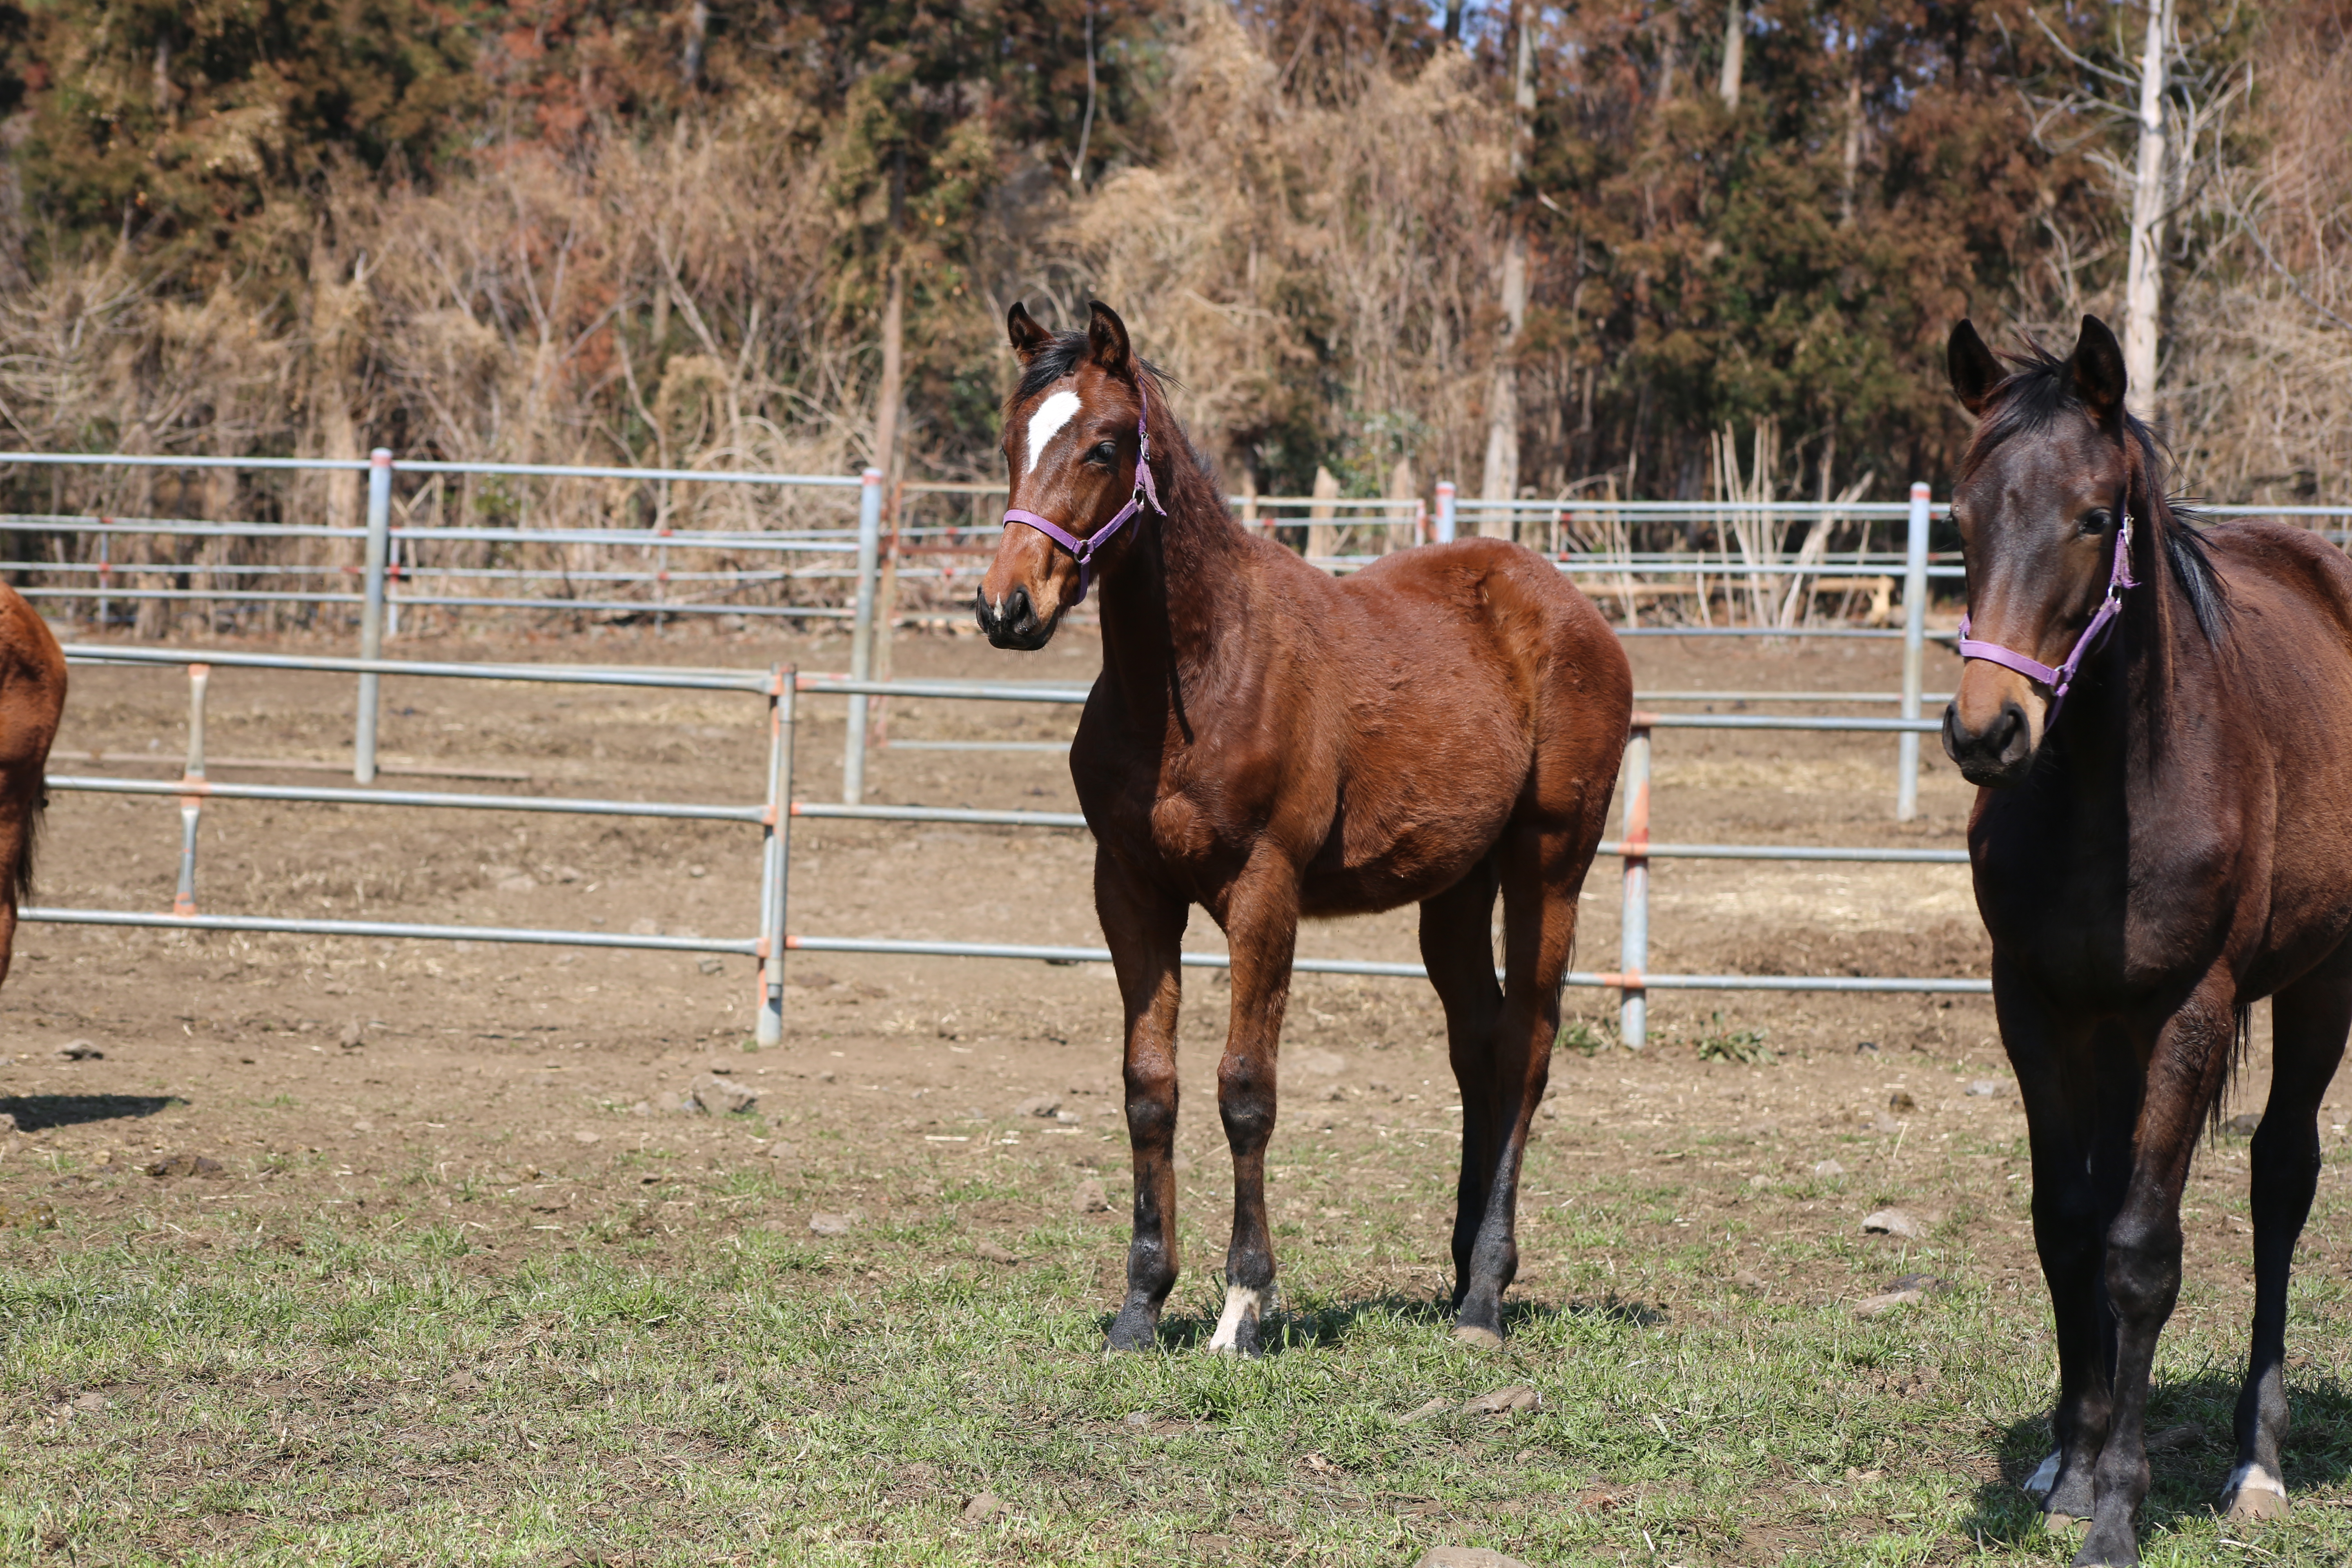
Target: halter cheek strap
{"type": "Point", "coordinates": [2119, 578]}
{"type": "Point", "coordinates": [1084, 551]}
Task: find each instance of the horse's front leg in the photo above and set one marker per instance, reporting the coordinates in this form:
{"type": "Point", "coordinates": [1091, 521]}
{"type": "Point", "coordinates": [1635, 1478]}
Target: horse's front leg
{"type": "Point", "coordinates": [2058, 1074]}
{"type": "Point", "coordinates": [1260, 920]}
{"type": "Point", "coordinates": [1144, 925]}
{"type": "Point", "coordinates": [2185, 1070]}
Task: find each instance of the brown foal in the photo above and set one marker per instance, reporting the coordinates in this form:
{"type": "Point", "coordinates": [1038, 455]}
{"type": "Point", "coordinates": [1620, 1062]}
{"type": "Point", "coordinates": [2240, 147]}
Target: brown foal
{"type": "Point", "coordinates": [1272, 743]}
{"type": "Point", "coordinates": [2170, 843]}
{"type": "Point", "coordinates": [32, 699]}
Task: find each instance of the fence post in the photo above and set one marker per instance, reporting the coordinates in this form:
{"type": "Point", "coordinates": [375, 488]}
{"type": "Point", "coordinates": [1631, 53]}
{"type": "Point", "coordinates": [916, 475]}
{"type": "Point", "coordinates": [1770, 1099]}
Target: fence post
{"type": "Point", "coordinates": [105, 565]}
{"type": "Point", "coordinates": [1634, 938]}
{"type": "Point", "coordinates": [861, 636]}
{"type": "Point", "coordinates": [1445, 511]}
{"type": "Point", "coordinates": [776, 854]}
{"type": "Point", "coordinates": [1914, 651]}
{"type": "Point", "coordinates": [379, 540]}
{"type": "Point", "coordinates": [183, 901]}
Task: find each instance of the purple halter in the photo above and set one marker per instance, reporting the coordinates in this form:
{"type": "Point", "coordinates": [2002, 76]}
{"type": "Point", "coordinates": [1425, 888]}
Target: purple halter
{"type": "Point", "coordinates": [1084, 551]}
{"type": "Point", "coordinates": [2119, 578]}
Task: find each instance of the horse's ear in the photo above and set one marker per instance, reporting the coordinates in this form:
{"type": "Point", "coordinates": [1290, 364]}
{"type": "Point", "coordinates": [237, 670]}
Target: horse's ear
{"type": "Point", "coordinates": [1028, 337]}
{"type": "Point", "coordinates": [1107, 339]}
{"type": "Point", "coordinates": [1974, 370]}
{"type": "Point", "coordinates": [2099, 375]}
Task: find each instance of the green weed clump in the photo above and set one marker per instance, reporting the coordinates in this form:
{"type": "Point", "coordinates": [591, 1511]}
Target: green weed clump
{"type": "Point", "coordinates": [1744, 1046]}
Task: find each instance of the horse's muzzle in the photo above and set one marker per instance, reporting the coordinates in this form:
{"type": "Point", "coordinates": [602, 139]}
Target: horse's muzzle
{"type": "Point", "coordinates": [1996, 756]}
{"type": "Point", "coordinates": [1015, 624]}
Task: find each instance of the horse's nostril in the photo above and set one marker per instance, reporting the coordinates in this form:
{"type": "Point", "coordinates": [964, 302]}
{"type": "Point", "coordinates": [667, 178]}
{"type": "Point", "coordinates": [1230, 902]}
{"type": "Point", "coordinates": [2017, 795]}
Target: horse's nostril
{"type": "Point", "coordinates": [1016, 608]}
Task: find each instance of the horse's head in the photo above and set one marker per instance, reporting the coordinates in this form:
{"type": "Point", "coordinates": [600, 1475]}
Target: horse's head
{"type": "Point", "coordinates": [2040, 503]}
{"type": "Point", "coordinates": [1073, 451]}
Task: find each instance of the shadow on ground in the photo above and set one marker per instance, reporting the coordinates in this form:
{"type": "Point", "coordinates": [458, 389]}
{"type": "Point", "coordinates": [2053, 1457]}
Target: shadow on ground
{"type": "Point", "coordinates": [1327, 1325]}
{"type": "Point", "coordinates": [35, 1111]}
{"type": "Point", "coordinates": [2191, 1448]}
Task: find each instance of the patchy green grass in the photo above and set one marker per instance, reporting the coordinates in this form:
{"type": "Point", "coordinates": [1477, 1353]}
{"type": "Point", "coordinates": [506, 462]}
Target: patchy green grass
{"type": "Point", "coordinates": [672, 1383]}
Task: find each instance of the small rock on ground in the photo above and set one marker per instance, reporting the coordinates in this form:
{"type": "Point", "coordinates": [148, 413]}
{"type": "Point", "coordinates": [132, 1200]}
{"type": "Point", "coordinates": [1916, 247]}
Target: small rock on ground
{"type": "Point", "coordinates": [1901, 1101]}
{"type": "Point", "coordinates": [988, 1252]}
{"type": "Point", "coordinates": [186, 1166]}
{"type": "Point", "coordinates": [1880, 1305]}
{"type": "Point", "coordinates": [2244, 1124]}
{"type": "Point", "coordinates": [1503, 1401]}
{"type": "Point", "coordinates": [1985, 1088]}
{"type": "Point", "coordinates": [1465, 1557]}
{"type": "Point", "coordinates": [1045, 1108]}
{"type": "Point", "coordinates": [80, 1051]}
{"type": "Point", "coordinates": [1435, 1408]}
{"type": "Point", "coordinates": [1893, 1221]}
{"type": "Point", "coordinates": [832, 1224]}
{"type": "Point", "coordinates": [1925, 1284]}
{"type": "Point", "coordinates": [723, 1096]}
{"type": "Point", "coordinates": [1747, 1280]}
{"type": "Point", "coordinates": [987, 1505]}
{"type": "Point", "coordinates": [1091, 1198]}
{"type": "Point", "coordinates": [1829, 1168]}
{"type": "Point", "coordinates": [1320, 1063]}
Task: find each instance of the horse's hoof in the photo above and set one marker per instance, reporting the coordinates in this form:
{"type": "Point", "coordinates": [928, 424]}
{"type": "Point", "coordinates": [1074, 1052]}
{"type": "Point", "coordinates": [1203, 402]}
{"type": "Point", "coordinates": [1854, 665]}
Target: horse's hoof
{"type": "Point", "coordinates": [2253, 1493]}
{"type": "Point", "coordinates": [1131, 1331]}
{"type": "Point", "coordinates": [2059, 1523]}
{"type": "Point", "coordinates": [1237, 1325]}
{"type": "Point", "coordinates": [2119, 1548]}
{"type": "Point", "coordinates": [1470, 1336]}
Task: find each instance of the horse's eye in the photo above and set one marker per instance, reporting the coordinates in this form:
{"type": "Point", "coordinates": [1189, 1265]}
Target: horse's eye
{"type": "Point", "coordinates": [2097, 519]}
{"type": "Point", "coordinates": [1105, 452]}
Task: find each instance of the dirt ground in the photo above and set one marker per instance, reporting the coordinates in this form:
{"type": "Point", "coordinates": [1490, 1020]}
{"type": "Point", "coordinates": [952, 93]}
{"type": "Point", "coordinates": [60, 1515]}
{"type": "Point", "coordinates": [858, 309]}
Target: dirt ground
{"type": "Point", "coordinates": [542, 1074]}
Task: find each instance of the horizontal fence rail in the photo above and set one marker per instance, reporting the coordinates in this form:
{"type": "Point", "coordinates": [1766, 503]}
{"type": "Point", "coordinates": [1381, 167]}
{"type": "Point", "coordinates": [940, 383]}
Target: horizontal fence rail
{"type": "Point", "coordinates": [193, 790]}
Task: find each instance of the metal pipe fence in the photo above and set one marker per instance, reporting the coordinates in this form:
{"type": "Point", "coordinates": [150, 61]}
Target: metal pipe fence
{"type": "Point", "coordinates": [193, 790]}
{"type": "Point", "coordinates": [781, 688]}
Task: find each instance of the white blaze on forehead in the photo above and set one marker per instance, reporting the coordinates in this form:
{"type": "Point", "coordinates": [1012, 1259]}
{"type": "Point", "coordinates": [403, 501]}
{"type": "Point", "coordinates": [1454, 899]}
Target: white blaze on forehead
{"type": "Point", "coordinates": [1046, 422]}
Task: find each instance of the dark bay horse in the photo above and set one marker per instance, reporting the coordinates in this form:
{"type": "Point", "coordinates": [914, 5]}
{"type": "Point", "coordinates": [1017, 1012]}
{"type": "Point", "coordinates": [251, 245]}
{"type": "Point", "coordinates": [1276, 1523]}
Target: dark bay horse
{"type": "Point", "coordinates": [32, 700]}
{"type": "Point", "coordinates": [1270, 743]}
{"type": "Point", "coordinates": [2163, 836]}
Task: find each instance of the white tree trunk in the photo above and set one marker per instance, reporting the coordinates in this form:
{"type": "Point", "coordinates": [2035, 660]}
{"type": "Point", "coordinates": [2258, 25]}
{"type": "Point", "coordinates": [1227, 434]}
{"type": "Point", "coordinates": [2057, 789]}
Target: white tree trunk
{"type": "Point", "coordinates": [2144, 284]}
{"type": "Point", "coordinates": [1734, 53]}
{"type": "Point", "coordinates": [1501, 479]}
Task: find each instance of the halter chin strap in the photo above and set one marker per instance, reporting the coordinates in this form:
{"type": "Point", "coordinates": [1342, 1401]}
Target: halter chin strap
{"type": "Point", "coordinates": [1084, 551]}
{"type": "Point", "coordinates": [2119, 578]}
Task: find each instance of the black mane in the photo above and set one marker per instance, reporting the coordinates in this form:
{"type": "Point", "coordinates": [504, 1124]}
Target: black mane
{"type": "Point", "coordinates": [2037, 393]}
{"type": "Point", "coordinates": [1060, 356]}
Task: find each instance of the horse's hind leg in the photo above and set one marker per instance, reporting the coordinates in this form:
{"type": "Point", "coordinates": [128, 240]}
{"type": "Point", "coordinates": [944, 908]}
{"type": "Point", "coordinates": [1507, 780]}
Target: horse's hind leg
{"type": "Point", "coordinates": [2309, 1020]}
{"type": "Point", "coordinates": [1538, 935]}
{"type": "Point", "coordinates": [1457, 946]}
{"type": "Point", "coordinates": [1144, 926]}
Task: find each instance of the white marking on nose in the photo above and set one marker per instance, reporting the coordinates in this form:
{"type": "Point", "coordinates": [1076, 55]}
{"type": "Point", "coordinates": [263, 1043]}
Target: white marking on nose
{"type": "Point", "coordinates": [2044, 1478]}
{"type": "Point", "coordinates": [1046, 422]}
{"type": "Point", "coordinates": [1241, 1303]}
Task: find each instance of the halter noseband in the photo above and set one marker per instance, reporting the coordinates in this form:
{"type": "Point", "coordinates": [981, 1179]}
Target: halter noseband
{"type": "Point", "coordinates": [1084, 551]}
{"type": "Point", "coordinates": [2119, 578]}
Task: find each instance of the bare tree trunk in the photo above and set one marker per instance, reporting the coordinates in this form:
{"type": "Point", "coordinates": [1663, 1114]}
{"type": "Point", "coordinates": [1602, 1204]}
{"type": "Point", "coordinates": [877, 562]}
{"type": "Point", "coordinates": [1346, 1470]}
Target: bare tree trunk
{"type": "Point", "coordinates": [1322, 537]}
{"type": "Point", "coordinates": [1087, 127]}
{"type": "Point", "coordinates": [698, 31]}
{"type": "Point", "coordinates": [1852, 141]}
{"type": "Point", "coordinates": [1501, 480]}
{"type": "Point", "coordinates": [2143, 286]}
{"type": "Point", "coordinates": [1734, 53]}
{"type": "Point", "coordinates": [894, 346]}
{"type": "Point", "coordinates": [1453, 21]}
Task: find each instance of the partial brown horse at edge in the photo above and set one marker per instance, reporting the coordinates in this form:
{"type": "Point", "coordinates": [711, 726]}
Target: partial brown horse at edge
{"type": "Point", "coordinates": [1273, 743]}
{"type": "Point", "coordinates": [32, 700]}
{"type": "Point", "coordinates": [2173, 844]}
